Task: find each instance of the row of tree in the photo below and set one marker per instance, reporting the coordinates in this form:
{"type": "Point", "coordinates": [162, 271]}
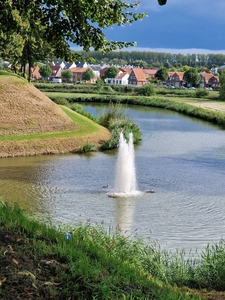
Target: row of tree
{"type": "Point", "coordinates": [147, 59]}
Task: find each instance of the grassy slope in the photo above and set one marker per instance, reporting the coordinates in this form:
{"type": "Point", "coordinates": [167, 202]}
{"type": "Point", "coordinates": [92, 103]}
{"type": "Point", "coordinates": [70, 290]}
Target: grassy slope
{"type": "Point", "coordinates": [38, 262]}
{"type": "Point", "coordinates": [31, 124]}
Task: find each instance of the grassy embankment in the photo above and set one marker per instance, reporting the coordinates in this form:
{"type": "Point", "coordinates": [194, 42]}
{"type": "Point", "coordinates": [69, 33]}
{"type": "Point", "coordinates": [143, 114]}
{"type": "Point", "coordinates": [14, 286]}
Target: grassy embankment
{"type": "Point", "coordinates": [210, 108]}
{"type": "Point", "coordinates": [31, 124]}
{"type": "Point", "coordinates": [39, 262]}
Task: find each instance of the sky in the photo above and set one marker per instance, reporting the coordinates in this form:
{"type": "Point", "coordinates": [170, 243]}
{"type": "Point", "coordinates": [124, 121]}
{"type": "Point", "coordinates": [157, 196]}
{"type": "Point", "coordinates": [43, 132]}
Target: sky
{"type": "Point", "coordinates": [180, 26]}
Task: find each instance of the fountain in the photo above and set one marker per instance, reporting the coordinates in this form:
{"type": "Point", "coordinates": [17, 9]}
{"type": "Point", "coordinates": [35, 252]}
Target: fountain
{"type": "Point", "coordinates": [125, 182]}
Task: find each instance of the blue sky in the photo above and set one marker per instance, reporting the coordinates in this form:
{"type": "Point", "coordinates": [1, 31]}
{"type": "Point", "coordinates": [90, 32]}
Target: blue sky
{"type": "Point", "coordinates": [180, 26]}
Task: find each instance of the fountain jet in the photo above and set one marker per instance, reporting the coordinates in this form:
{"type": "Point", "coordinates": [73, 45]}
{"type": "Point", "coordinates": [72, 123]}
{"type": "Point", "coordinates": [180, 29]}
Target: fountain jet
{"type": "Point", "coordinates": [125, 181]}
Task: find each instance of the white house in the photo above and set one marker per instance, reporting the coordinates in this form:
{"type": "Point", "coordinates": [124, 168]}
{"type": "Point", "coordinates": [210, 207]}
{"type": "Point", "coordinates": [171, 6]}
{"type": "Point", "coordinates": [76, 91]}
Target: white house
{"type": "Point", "coordinates": [121, 79]}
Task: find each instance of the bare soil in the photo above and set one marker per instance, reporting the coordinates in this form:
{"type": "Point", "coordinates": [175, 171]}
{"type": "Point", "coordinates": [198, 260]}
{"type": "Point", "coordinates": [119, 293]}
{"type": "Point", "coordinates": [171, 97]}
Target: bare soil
{"type": "Point", "coordinates": [26, 110]}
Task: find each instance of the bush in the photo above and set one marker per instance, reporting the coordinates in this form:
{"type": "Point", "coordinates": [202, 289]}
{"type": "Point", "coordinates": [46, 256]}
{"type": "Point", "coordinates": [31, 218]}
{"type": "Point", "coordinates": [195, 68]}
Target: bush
{"type": "Point", "coordinates": [146, 90]}
{"type": "Point", "coordinates": [60, 101]}
{"type": "Point", "coordinates": [201, 93]}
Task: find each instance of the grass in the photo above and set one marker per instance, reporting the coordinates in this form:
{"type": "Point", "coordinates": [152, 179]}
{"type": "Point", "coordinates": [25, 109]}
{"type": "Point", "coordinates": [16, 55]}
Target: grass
{"type": "Point", "coordinates": [86, 126]}
{"type": "Point", "coordinates": [187, 106]}
{"type": "Point", "coordinates": [38, 261]}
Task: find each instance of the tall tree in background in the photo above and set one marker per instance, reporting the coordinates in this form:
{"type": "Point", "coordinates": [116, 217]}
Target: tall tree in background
{"type": "Point", "coordinates": [88, 74]}
{"type": "Point", "coordinates": [222, 85]}
{"type": "Point", "coordinates": [192, 76]}
{"type": "Point", "coordinates": [111, 72]}
{"type": "Point", "coordinates": [162, 74]}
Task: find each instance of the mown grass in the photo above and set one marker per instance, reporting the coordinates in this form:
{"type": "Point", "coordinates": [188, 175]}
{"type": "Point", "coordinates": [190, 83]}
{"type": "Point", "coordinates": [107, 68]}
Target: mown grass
{"type": "Point", "coordinates": [85, 124]}
{"type": "Point", "coordinates": [90, 264]}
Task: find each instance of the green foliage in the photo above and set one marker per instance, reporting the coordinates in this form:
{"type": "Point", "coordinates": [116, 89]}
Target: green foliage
{"type": "Point", "coordinates": [79, 109]}
{"type": "Point", "coordinates": [222, 85]}
{"type": "Point", "coordinates": [45, 71]}
{"type": "Point", "coordinates": [99, 84]}
{"type": "Point", "coordinates": [92, 264]}
{"type": "Point", "coordinates": [201, 93]}
{"type": "Point", "coordinates": [116, 120]}
{"type": "Point", "coordinates": [67, 74]}
{"type": "Point", "coordinates": [88, 75]}
{"type": "Point", "coordinates": [36, 28]}
{"type": "Point", "coordinates": [162, 74]}
{"type": "Point", "coordinates": [111, 72]}
{"type": "Point", "coordinates": [146, 90]}
{"type": "Point", "coordinates": [192, 76]}
{"type": "Point", "coordinates": [88, 147]}
{"type": "Point", "coordinates": [61, 101]}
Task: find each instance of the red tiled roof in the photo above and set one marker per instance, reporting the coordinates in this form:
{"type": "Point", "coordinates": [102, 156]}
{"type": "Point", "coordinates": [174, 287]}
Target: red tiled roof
{"type": "Point", "coordinates": [78, 70]}
{"type": "Point", "coordinates": [139, 73]}
{"type": "Point", "coordinates": [207, 76]}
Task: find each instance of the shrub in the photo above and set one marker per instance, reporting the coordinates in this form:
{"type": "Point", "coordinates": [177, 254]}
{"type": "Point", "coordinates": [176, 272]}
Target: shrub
{"type": "Point", "coordinates": [88, 147]}
{"type": "Point", "coordinates": [201, 93]}
{"type": "Point", "coordinates": [146, 90]}
{"type": "Point", "coordinates": [60, 101]}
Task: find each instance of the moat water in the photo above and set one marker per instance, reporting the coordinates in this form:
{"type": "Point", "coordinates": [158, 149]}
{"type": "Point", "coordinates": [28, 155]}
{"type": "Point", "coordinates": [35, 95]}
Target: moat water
{"type": "Point", "coordinates": [182, 159]}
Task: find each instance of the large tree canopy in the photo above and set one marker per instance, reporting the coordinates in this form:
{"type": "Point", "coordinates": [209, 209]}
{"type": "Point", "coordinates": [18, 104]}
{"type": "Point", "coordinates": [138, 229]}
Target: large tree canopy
{"type": "Point", "coordinates": [30, 29]}
{"type": "Point", "coordinates": [61, 22]}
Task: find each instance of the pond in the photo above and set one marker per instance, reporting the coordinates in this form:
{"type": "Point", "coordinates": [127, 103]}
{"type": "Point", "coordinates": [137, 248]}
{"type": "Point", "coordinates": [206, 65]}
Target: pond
{"type": "Point", "coordinates": [182, 159]}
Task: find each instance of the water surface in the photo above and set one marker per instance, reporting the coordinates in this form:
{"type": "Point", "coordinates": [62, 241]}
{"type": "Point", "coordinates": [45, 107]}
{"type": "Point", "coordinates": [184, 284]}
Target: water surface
{"type": "Point", "coordinates": [182, 159]}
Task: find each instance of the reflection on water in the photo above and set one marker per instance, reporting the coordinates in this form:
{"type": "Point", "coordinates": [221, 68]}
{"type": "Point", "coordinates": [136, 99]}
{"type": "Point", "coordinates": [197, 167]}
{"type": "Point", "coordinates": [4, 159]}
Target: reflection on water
{"type": "Point", "coordinates": [180, 158]}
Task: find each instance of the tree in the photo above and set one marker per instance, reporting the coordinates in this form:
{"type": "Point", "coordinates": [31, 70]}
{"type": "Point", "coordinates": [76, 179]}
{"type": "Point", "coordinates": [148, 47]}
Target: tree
{"type": "Point", "coordinates": [140, 63]}
{"type": "Point", "coordinates": [67, 74]}
{"type": "Point", "coordinates": [192, 76]}
{"type": "Point", "coordinates": [88, 74]}
{"type": "Point", "coordinates": [99, 84]}
{"type": "Point", "coordinates": [111, 72]}
{"type": "Point", "coordinates": [61, 22]}
{"type": "Point", "coordinates": [45, 71]}
{"type": "Point", "coordinates": [162, 74]}
{"type": "Point", "coordinates": [222, 85]}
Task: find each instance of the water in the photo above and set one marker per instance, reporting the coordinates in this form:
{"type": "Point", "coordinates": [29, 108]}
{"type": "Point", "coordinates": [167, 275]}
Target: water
{"type": "Point", "coordinates": [125, 180]}
{"type": "Point", "coordinates": [181, 159]}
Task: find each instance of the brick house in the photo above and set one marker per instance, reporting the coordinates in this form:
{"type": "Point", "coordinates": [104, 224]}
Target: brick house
{"type": "Point", "coordinates": [176, 79]}
{"type": "Point", "coordinates": [77, 73]}
{"type": "Point", "coordinates": [209, 80]}
{"type": "Point", "coordinates": [137, 77]}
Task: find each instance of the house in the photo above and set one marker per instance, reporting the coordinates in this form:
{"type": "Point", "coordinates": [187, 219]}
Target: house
{"type": "Point", "coordinates": [69, 65]}
{"type": "Point", "coordinates": [60, 64]}
{"type": "Point", "coordinates": [176, 79]}
{"type": "Point", "coordinates": [56, 72]}
{"type": "Point", "coordinates": [150, 73]}
{"type": "Point", "coordinates": [35, 75]}
{"type": "Point", "coordinates": [121, 79]}
{"type": "Point", "coordinates": [209, 80]}
{"type": "Point", "coordinates": [137, 77]}
{"type": "Point", "coordinates": [77, 73]}
{"type": "Point", "coordinates": [96, 70]}
{"type": "Point", "coordinates": [81, 65]}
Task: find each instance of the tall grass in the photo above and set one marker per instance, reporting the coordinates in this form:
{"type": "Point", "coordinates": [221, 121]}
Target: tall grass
{"type": "Point", "coordinates": [92, 264]}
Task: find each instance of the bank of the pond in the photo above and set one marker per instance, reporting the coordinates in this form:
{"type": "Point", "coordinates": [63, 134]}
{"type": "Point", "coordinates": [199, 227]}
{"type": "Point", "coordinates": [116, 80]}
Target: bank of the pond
{"type": "Point", "coordinates": [40, 262]}
{"type": "Point", "coordinates": [209, 110]}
